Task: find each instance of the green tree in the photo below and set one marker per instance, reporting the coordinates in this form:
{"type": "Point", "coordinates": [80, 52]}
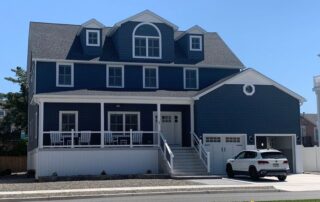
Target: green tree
{"type": "Point", "coordinates": [16, 104]}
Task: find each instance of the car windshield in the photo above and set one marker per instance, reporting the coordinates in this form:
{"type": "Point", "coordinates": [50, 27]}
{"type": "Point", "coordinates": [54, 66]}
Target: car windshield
{"type": "Point", "coordinates": [272, 155]}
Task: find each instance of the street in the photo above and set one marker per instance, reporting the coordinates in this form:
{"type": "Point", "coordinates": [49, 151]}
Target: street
{"type": "Point", "coordinates": [207, 197]}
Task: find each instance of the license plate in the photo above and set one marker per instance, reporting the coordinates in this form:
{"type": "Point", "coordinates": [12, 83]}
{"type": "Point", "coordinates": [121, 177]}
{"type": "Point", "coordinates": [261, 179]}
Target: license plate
{"type": "Point", "coordinates": [276, 165]}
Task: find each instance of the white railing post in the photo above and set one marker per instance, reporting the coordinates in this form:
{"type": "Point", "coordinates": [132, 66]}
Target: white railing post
{"type": "Point", "coordinates": [41, 117]}
{"type": "Point", "coordinates": [200, 149]}
{"type": "Point", "coordinates": [165, 149]}
{"type": "Point", "coordinates": [72, 138]}
{"type": "Point", "coordinates": [131, 138]}
{"type": "Point", "coordinates": [208, 162]}
{"type": "Point", "coordinates": [192, 143]}
{"type": "Point", "coordinates": [171, 161]}
{"type": "Point", "coordinates": [159, 139]}
{"type": "Point", "coordinates": [102, 124]}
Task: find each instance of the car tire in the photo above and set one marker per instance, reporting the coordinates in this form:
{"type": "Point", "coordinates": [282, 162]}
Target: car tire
{"type": "Point", "coordinates": [282, 178]}
{"type": "Point", "coordinates": [229, 170]}
{"type": "Point", "coordinates": [253, 173]}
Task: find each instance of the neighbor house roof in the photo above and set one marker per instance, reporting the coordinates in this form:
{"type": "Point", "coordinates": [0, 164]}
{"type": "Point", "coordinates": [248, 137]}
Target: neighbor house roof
{"type": "Point", "coordinates": [62, 41]}
{"type": "Point", "coordinates": [310, 117]}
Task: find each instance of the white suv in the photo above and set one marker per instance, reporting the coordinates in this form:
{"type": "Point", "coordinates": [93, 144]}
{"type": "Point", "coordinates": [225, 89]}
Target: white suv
{"type": "Point", "coordinates": [259, 163]}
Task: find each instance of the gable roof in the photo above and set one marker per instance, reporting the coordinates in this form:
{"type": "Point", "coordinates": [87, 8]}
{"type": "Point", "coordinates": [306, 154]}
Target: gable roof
{"type": "Point", "coordinates": [310, 117]}
{"type": "Point", "coordinates": [93, 23]}
{"type": "Point", "coordinates": [248, 76]}
{"type": "Point", "coordinates": [196, 29]}
{"type": "Point", "coordinates": [147, 16]}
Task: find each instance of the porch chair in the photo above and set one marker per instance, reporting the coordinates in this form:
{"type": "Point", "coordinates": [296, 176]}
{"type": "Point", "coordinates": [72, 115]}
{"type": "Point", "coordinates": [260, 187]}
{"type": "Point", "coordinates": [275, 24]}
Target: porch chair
{"type": "Point", "coordinates": [137, 138]}
{"type": "Point", "coordinates": [85, 138]}
{"type": "Point", "coordinates": [109, 139]}
{"type": "Point", "coordinates": [55, 139]}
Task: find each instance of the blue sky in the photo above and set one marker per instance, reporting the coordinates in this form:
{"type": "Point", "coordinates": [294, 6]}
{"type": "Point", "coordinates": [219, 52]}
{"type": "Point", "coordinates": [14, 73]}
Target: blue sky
{"type": "Point", "coordinates": [278, 38]}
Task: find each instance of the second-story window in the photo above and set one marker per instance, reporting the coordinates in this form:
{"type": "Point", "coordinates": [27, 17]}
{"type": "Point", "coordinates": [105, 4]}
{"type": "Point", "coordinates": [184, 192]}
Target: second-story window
{"type": "Point", "coordinates": [150, 77]}
{"type": "Point", "coordinates": [195, 43]}
{"type": "Point", "coordinates": [93, 38]}
{"type": "Point", "coordinates": [115, 76]}
{"type": "Point", "coordinates": [64, 75]}
{"type": "Point", "coordinates": [146, 40]}
{"type": "Point", "coordinates": [191, 78]}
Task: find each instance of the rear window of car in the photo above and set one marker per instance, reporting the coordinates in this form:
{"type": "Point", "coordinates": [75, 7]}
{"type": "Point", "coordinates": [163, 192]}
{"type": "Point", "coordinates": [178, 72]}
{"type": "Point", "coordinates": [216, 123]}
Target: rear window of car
{"type": "Point", "coordinates": [272, 155]}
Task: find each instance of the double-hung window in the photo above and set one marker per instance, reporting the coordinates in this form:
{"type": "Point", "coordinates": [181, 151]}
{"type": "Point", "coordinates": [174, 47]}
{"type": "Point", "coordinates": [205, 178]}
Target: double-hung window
{"type": "Point", "coordinates": [115, 76]}
{"type": "Point", "coordinates": [123, 121]}
{"type": "Point", "coordinates": [196, 43]}
{"type": "Point", "coordinates": [146, 39]}
{"type": "Point", "coordinates": [92, 37]}
{"type": "Point", "coordinates": [150, 77]}
{"type": "Point", "coordinates": [191, 78]}
{"type": "Point", "coordinates": [68, 120]}
{"type": "Point", "coordinates": [64, 75]}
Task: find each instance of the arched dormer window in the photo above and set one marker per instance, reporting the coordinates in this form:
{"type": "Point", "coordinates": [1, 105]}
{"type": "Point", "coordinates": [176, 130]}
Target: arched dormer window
{"type": "Point", "coordinates": [146, 38]}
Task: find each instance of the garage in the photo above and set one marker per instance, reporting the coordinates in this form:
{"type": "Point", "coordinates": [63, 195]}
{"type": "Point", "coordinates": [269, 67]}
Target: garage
{"type": "Point", "coordinates": [282, 142]}
{"type": "Point", "coordinates": [221, 148]}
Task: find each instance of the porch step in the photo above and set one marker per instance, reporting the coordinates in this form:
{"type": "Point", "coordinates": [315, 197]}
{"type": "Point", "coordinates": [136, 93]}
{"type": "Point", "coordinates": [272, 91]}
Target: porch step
{"type": "Point", "coordinates": [187, 164]}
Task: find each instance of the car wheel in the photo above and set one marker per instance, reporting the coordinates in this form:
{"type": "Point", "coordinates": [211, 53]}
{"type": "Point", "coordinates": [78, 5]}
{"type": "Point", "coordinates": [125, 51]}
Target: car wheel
{"type": "Point", "coordinates": [229, 170]}
{"type": "Point", "coordinates": [253, 173]}
{"type": "Point", "coordinates": [282, 178]}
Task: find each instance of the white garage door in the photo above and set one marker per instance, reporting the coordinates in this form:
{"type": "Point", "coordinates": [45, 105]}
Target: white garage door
{"type": "Point", "coordinates": [221, 148]}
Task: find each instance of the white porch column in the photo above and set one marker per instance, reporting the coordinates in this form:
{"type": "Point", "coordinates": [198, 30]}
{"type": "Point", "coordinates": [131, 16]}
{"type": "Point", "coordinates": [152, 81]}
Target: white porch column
{"type": "Point", "coordinates": [102, 124]}
{"type": "Point", "coordinates": [41, 111]}
{"type": "Point", "coordinates": [192, 117]}
{"type": "Point", "coordinates": [159, 116]}
{"type": "Point", "coordinates": [316, 89]}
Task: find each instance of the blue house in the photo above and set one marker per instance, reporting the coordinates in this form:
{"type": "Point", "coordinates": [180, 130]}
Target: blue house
{"type": "Point", "coordinates": [143, 96]}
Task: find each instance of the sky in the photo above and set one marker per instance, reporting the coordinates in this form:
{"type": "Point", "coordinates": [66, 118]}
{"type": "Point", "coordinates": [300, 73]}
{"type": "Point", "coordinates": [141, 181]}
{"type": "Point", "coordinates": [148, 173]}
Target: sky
{"type": "Point", "coordinates": [281, 39]}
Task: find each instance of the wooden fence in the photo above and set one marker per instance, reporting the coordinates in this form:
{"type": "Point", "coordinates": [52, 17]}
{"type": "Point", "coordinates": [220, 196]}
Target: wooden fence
{"type": "Point", "coordinates": [15, 163]}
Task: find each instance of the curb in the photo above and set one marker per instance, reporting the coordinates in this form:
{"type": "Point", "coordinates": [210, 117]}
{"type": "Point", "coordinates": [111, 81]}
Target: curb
{"type": "Point", "coordinates": [135, 192]}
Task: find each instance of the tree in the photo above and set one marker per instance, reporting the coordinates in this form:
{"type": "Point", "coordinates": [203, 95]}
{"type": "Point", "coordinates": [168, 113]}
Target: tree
{"type": "Point", "coordinates": [16, 104]}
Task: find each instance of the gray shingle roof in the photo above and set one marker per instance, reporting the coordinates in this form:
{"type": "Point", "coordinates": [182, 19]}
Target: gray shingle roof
{"type": "Point", "coordinates": [311, 117]}
{"type": "Point", "coordinates": [61, 41]}
{"type": "Point", "coordinates": [158, 93]}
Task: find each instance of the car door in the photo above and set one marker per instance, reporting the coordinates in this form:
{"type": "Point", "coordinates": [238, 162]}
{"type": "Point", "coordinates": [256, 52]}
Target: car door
{"type": "Point", "coordinates": [247, 160]}
{"type": "Point", "coordinates": [237, 162]}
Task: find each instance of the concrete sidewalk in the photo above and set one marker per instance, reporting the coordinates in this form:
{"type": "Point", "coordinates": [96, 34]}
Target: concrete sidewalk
{"type": "Point", "coordinates": [123, 191]}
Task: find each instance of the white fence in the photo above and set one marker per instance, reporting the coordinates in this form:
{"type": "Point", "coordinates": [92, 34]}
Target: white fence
{"type": "Point", "coordinates": [311, 159]}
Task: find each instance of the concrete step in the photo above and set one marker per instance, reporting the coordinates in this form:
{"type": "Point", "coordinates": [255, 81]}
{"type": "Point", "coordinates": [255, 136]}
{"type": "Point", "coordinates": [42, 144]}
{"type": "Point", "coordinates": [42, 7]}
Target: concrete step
{"type": "Point", "coordinates": [178, 166]}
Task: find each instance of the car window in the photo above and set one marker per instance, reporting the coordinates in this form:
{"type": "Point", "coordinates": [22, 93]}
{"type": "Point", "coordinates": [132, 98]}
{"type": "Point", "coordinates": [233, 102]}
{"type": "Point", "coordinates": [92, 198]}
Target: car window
{"type": "Point", "coordinates": [241, 155]}
{"type": "Point", "coordinates": [272, 155]}
{"type": "Point", "coordinates": [250, 155]}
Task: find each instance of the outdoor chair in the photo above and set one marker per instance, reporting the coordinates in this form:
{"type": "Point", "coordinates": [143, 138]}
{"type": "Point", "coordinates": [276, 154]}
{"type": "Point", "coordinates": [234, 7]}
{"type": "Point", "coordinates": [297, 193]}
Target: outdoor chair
{"type": "Point", "coordinates": [137, 138]}
{"type": "Point", "coordinates": [85, 138]}
{"type": "Point", "coordinates": [56, 139]}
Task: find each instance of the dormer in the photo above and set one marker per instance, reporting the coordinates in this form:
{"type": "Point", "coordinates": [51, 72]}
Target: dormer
{"type": "Point", "coordinates": [144, 37]}
{"type": "Point", "coordinates": [91, 37]}
{"type": "Point", "coordinates": [192, 43]}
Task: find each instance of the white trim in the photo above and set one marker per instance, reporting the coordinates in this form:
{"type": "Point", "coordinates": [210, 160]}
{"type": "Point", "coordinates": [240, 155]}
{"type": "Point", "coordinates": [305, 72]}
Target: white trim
{"type": "Point", "coordinates": [57, 74]}
{"type": "Point", "coordinates": [157, 76]}
{"type": "Point", "coordinates": [294, 144]}
{"type": "Point", "coordinates": [122, 74]}
{"type": "Point", "coordinates": [68, 112]}
{"type": "Point", "coordinates": [102, 124]}
{"type": "Point", "coordinates": [87, 37]}
{"type": "Point", "coordinates": [136, 63]}
{"type": "Point", "coordinates": [123, 113]}
{"type": "Point", "coordinates": [147, 41]}
{"type": "Point", "coordinates": [190, 42]}
{"type": "Point", "coordinates": [244, 88]}
{"type": "Point", "coordinates": [41, 117]}
{"type": "Point", "coordinates": [184, 77]}
{"type": "Point", "coordinates": [145, 16]}
{"type": "Point", "coordinates": [192, 118]}
{"type": "Point", "coordinates": [256, 78]}
{"type": "Point", "coordinates": [113, 99]}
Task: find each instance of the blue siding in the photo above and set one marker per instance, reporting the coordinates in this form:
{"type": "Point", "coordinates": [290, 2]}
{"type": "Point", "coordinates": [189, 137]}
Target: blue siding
{"type": "Point", "coordinates": [90, 50]}
{"type": "Point", "coordinates": [93, 76]}
{"type": "Point", "coordinates": [123, 42]}
{"type": "Point", "coordinates": [184, 44]}
{"type": "Point", "coordinates": [228, 110]}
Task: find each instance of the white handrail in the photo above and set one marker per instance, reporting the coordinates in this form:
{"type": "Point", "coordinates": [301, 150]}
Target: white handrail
{"type": "Point", "coordinates": [166, 148]}
{"type": "Point", "coordinates": [201, 151]}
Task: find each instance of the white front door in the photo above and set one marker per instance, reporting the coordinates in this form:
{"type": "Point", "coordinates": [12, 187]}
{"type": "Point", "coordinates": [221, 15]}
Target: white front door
{"type": "Point", "coordinates": [170, 127]}
{"type": "Point", "coordinates": [221, 148]}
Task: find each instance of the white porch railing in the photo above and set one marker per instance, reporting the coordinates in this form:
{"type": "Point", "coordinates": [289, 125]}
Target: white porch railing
{"type": "Point", "coordinates": [196, 143]}
{"type": "Point", "coordinates": [166, 151]}
{"type": "Point", "coordinates": [75, 139]}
